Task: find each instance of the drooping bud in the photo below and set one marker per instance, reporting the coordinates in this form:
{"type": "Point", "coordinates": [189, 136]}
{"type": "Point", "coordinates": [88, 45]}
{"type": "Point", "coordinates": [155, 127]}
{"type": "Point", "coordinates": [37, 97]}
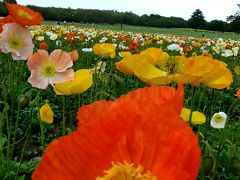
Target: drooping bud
{"type": "Point", "coordinates": [23, 101]}
{"type": "Point", "coordinates": [235, 166]}
{"type": "Point", "coordinates": [207, 164]}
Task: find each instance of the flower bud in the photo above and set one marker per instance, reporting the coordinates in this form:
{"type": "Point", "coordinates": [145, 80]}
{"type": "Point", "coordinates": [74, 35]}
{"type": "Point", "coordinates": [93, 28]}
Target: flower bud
{"type": "Point", "coordinates": [235, 166]}
{"type": "Point", "coordinates": [23, 101]}
{"type": "Point", "coordinates": [207, 164]}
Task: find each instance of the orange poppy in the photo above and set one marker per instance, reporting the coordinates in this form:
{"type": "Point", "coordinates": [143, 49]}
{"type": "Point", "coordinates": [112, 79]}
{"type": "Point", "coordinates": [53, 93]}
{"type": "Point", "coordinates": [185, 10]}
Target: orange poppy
{"type": "Point", "coordinates": [238, 93]}
{"type": "Point", "coordinates": [71, 37]}
{"type": "Point", "coordinates": [24, 15]}
{"type": "Point", "coordinates": [139, 135]}
{"type": "Point", "coordinates": [5, 20]}
{"type": "Point", "coordinates": [43, 45]}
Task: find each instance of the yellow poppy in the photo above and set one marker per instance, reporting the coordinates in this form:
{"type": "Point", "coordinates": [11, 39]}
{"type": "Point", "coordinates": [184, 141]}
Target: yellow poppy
{"type": "Point", "coordinates": [104, 50]}
{"type": "Point", "coordinates": [46, 114]}
{"type": "Point", "coordinates": [197, 117]}
{"type": "Point", "coordinates": [82, 81]}
{"type": "Point", "coordinates": [124, 54]}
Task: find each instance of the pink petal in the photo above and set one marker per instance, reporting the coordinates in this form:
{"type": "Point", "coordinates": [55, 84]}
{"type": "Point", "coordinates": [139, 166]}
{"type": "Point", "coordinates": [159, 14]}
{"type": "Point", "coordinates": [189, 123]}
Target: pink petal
{"type": "Point", "coordinates": [35, 59]}
{"type": "Point", "coordinates": [61, 60]}
{"type": "Point", "coordinates": [62, 76]}
{"type": "Point", "coordinates": [37, 80]}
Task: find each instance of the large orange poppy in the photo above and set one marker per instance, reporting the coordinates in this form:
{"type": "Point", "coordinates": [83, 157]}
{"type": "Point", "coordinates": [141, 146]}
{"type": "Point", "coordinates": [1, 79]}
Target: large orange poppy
{"type": "Point", "coordinates": [138, 136]}
{"type": "Point", "coordinates": [24, 15]}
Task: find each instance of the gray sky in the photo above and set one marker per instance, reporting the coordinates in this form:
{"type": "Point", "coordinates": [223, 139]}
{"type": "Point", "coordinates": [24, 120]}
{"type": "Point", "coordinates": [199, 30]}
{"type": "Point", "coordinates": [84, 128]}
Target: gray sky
{"type": "Point", "coordinates": [212, 9]}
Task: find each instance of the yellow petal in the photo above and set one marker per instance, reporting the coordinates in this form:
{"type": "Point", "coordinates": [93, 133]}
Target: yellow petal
{"type": "Point", "coordinates": [197, 117]}
{"type": "Point", "coordinates": [82, 81]}
{"type": "Point", "coordinates": [46, 114]}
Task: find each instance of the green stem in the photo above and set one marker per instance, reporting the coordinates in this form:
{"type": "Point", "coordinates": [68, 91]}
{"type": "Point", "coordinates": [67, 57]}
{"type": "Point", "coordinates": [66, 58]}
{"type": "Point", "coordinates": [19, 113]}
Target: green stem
{"type": "Point", "coordinates": [192, 105]}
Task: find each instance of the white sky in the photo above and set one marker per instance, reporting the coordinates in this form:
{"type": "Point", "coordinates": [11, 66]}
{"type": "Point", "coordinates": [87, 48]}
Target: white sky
{"type": "Point", "coordinates": [212, 9]}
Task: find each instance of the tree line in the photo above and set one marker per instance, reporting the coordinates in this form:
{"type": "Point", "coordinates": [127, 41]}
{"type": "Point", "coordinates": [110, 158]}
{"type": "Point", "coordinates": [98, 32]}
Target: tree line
{"type": "Point", "coordinates": [196, 21]}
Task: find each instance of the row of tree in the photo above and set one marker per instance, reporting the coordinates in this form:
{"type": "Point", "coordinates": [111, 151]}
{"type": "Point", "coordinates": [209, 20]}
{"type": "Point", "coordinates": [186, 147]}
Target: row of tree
{"type": "Point", "coordinates": [196, 21]}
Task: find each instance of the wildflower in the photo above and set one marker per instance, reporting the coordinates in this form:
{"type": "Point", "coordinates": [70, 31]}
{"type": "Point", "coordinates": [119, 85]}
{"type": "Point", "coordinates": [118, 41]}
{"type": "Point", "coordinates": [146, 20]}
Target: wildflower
{"type": "Point", "coordinates": [23, 15]}
{"type": "Point", "coordinates": [74, 55]}
{"type": "Point", "coordinates": [49, 69]}
{"type": "Point", "coordinates": [218, 120]}
{"type": "Point", "coordinates": [82, 81]}
{"type": "Point", "coordinates": [139, 135]}
{"type": "Point", "coordinates": [71, 37]}
{"type": "Point", "coordinates": [174, 47]}
{"type": "Point", "coordinates": [197, 117]}
{"type": "Point", "coordinates": [46, 114]}
{"type": "Point", "coordinates": [43, 45]}
{"type": "Point", "coordinates": [104, 50]}
{"type": "Point", "coordinates": [17, 40]}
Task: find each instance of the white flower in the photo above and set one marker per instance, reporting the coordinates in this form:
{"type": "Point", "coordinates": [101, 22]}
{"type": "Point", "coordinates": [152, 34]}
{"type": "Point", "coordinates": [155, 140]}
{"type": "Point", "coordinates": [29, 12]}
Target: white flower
{"type": "Point", "coordinates": [53, 36]}
{"type": "Point", "coordinates": [218, 120]}
{"type": "Point", "coordinates": [174, 47]}
{"type": "Point", "coordinates": [235, 51]}
{"type": "Point", "coordinates": [59, 43]}
{"type": "Point", "coordinates": [40, 38]}
{"type": "Point", "coordinates": [227, 53]}
{"type": "Point", "coordinates": [87, 49]}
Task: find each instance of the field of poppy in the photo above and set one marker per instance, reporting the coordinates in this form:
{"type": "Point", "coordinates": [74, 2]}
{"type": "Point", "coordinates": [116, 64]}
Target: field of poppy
{"type": "Point", "coordinates": [82, 102]}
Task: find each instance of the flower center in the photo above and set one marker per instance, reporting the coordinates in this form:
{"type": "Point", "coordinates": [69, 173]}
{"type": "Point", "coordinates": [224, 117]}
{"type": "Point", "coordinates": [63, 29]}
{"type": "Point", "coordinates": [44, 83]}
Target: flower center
{"type": "Point", "coordinates": [171, 65]}
{"type": "Point", "coordinates": [126, 171]}
{"type": "Point", "coordinates": [15, 42]}
{"type": "Point", "coordinates": [218, 118]}
{"type": "Point", "coordinates": [48, 70]}
{"type": "Point", "coordinates": [24, 14]}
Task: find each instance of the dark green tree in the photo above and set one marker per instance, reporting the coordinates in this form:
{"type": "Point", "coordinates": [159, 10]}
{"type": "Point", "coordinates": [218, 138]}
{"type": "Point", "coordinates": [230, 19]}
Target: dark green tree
{"type": "Point", "coordinates": [197, 20]}
{"type": "Point", "coordinates": [235, 21]}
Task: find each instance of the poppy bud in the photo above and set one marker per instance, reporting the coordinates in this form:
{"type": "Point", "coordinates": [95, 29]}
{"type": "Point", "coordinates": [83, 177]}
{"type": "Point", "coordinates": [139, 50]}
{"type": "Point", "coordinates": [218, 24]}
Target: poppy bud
{"type": "Point", "coordinates": [235, 166]}
{"type": "Point", "coordinates": [207, 164]}
{"type": "Point", "coordinates": [23, 101]}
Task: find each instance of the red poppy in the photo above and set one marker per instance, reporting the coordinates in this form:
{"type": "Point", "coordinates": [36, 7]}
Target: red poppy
{"type": "Point", "coordinates": [5, 20]}
{"type": "Point", "coordinates": [24, 15]}
{"type": "Point", "coordinates": [187, 48]}
{"type": "Point", "coordinates": [71, 37]}
{"type": "Point", "coordinates": [140, 132]}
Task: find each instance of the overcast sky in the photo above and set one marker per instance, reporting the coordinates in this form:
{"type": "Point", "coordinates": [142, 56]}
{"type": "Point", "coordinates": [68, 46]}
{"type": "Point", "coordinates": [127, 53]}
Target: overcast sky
{"type": "Point", "coordinates": [212, 9]}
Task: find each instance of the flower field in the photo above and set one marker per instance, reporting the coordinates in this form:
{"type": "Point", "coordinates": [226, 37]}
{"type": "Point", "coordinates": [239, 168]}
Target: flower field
{"type": "Point", "coordinates": [79, 102]}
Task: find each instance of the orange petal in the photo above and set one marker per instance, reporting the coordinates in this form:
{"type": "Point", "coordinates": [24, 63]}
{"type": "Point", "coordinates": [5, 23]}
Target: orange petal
{"type": "Point", "coordinates": [137, 130]}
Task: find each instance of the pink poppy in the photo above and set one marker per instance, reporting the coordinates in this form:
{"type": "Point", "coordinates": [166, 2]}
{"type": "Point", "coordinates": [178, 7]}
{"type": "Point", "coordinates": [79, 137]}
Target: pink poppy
{"type": "Point", "coordinates": [49, 69]}
{"type": "Point", "coordinates": [17, 40]}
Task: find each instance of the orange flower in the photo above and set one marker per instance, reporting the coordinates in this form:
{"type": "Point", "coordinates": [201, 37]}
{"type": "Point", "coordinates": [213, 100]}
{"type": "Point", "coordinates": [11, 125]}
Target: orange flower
{"type": "Point", "coordinates": [238, 93]}
{"type": "Point", "coordinates": [43, 46]}
{"type": "Point", "coordinates": [24, 15]}
{"type": "Point", "coordinates": [138, 135]}
{"type": "Point", "coordinates": [71, 37]}
{"type": "Point", "coordinates": [74, 55]}
{"type": "Point", "coordinates": [5, 20]}
{"type": "Point", "coordinates": [187, 49]}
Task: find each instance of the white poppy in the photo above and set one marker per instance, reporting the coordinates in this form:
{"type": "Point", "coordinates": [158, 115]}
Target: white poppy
{"type": "Point", "coordinates": [218, 120]}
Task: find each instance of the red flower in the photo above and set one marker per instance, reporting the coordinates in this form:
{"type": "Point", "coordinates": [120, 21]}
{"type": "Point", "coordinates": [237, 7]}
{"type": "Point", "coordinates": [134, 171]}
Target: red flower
{"type": "Point", "coordinates": [187, 49]}
{"type": "Point", "coordinates": [5, 20]}
{"type": "Point", "coordinates": [71, 37]}
{"type": "Point", "coordinates": [140, 131]}
{"type": "Point", "coordinates": [24, 15]}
